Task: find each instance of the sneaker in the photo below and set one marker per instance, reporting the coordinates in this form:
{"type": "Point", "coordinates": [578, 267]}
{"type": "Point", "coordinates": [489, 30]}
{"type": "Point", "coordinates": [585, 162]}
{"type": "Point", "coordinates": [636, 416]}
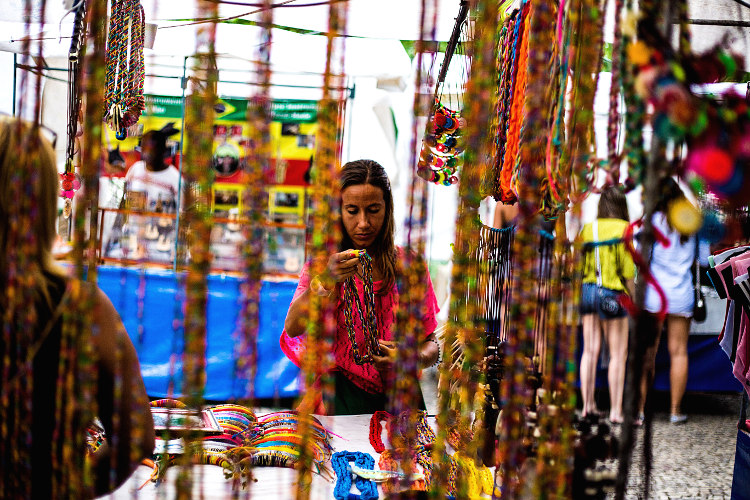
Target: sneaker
{"type": "Point", "coordinates": [677, 419]}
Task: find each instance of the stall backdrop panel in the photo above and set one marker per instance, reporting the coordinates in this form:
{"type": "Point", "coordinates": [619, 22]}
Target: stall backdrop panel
{"type": "Point", "coordinates": [146, 301]}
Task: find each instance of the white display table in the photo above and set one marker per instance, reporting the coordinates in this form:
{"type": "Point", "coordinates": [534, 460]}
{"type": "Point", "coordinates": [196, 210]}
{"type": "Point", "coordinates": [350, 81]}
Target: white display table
{"type": "Point", "coordinates": [272, 482]}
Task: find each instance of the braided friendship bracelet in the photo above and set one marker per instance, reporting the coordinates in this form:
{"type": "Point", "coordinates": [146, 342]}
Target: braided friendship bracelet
{"type": "Point", "coordinates": [376, 429]}
{"type": "Point", "coordinates": [340, 462]}
{"type": "Point", "coordinates": [366, 314]}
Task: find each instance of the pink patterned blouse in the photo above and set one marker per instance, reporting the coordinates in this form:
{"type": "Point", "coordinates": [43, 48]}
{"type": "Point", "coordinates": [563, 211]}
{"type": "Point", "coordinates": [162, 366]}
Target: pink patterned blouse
{"type": "Point", "coordinates": [364, 376]}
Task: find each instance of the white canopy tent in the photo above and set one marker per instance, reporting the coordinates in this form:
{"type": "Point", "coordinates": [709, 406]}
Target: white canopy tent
{"type": "Point", "coordinates": [376, 65]}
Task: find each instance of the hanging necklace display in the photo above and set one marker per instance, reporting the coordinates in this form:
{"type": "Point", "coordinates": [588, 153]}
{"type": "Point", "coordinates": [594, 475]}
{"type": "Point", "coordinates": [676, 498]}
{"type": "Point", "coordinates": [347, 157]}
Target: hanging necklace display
{"type": "Point", "coordinates": [441, 152]}
{"type": "Point", "coordinates": [516, 117]}
{"type": "Point", "coordinates": [123, 94]}
{"type": "Point", "coordinates": [366, 311]}
{"type": "Point", "coordinates": [442, 146]}
{"type": "Point", "coordinates": [69, 180]}
{"type": "Point", "coordinates": [503, 94]}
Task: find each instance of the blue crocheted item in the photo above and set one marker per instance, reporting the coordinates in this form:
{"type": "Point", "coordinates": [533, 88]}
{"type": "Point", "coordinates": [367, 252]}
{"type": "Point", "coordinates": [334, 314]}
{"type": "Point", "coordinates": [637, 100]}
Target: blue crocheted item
{"type": "Point", "coordinates": [340, 462]}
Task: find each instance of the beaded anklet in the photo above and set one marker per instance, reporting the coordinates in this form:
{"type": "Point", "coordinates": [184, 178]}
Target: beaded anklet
{"type": "Point", "coordinates": [340, 462]}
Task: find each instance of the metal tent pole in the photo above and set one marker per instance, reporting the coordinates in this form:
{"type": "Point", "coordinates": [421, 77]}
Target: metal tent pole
{"type": "Point", "coordinates": [183, 84]}
{"type": "Point", "coordinates": [15, 77]}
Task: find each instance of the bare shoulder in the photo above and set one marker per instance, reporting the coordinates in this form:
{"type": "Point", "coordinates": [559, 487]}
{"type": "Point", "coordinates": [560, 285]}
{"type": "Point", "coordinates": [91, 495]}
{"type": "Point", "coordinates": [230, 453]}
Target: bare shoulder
{"type": "Point", "coordinates": [505, 215]}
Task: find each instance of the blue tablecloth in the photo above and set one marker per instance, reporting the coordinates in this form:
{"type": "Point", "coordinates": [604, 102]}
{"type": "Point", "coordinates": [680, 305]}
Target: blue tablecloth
{"type": "Point", "coordinates": [150, 303]}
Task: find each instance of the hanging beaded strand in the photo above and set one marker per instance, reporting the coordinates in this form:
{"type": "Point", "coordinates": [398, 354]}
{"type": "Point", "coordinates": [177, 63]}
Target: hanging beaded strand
{"type": "Point", "coordinates": [254, 201]}
{"type": "Point", "coordinates": [408, 332]}
{"type": "Point", "coordinates": [196, 170]}
{"type": "Point", "coordinates": [556, 407]}
{"type": "Point", "coordinates": [633, 148]}
{"type": "Point", "coordinates": [19, 264]}
{"type": "Point", "coordinates": [123, 98]}
{"type": "Point", "coordinates": [552, 398]}
{"type": "Point", "coordinates": [613, 121]}
{"type": "Point", "coordinates": [70, 182]}
{"type": "Point", "coordinates": [465, 322]}
{"type": "Point", "coordinates": [84, 252]}
{"type": "Point", "coordinates": [19, 319]}
{"type": "Point", "coordinates": [318, 361]}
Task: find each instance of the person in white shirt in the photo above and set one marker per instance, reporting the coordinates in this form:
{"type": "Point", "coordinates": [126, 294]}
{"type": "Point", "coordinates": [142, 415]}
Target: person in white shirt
{"type": "Point", "coordinates": [151, 185]}
{"type": "Point", "coordinates": [672, 267]}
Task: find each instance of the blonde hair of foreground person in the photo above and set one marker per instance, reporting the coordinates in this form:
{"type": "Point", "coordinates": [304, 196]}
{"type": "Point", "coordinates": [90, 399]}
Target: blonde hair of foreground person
{"type": "Point", "coordinates": [45, 469]}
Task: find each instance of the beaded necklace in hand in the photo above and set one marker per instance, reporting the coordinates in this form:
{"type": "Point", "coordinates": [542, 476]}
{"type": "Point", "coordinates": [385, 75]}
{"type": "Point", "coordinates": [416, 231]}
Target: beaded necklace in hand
{"type": "Point", "coordinates": [366, 314]}
{"type": "Point", "coordinates": [340, 462]}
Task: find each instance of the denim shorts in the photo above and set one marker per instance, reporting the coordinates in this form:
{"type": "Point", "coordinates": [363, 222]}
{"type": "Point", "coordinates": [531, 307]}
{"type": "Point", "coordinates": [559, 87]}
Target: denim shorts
{"type": "Point", "coordinates": [590, 302]}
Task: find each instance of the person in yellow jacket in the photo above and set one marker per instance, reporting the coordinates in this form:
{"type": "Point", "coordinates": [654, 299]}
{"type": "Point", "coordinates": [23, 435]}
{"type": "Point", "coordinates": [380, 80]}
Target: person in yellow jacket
{"type": "Point", "coordinates": [608, 272]}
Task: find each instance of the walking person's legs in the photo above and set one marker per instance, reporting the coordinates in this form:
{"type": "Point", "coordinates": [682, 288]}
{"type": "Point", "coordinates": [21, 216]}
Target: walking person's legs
{"type": "Point", "coordinates": [591, 345]}
{"type": "Point", "coordinates": [616, 335]}
{"type": "Point", "coordinates": [678, 330]}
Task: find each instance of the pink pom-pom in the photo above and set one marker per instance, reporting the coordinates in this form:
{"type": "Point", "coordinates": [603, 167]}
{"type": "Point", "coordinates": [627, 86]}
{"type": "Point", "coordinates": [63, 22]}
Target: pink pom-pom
{"type": "Point", "coordinates": [713, 164]}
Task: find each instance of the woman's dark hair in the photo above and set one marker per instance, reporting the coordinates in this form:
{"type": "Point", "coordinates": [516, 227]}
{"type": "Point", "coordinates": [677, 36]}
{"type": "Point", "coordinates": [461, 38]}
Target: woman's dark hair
{"type": "Point", "coordinates": [613, 205]}
{"type": "Point", "coordinates": [359, 172]}
{"type": "Point", "coordinates": [669, 191]}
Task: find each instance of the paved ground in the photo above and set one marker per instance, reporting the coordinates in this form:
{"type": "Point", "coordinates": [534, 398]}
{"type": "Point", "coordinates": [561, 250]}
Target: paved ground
{"type": "Point", "coordinates": [694, 460]}
{"type": "Point", "coordinates": [690, 461]}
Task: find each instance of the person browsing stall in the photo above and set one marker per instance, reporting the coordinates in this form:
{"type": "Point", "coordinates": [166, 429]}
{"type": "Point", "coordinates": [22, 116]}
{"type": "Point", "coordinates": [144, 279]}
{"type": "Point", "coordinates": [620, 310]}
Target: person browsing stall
{"type": "Point", "coordinates": [608, 273]}
{"type": "Point", "coordinates": [368, 223]}
{"type": "Point", "coordinates": [151, 185]}
{"type": "Point", "coordinates": [672, 267]}
{"type": "Point", "coordinates": [46, 363]}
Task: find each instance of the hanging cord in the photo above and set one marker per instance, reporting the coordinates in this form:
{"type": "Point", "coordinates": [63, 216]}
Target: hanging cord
{"type": "Point", "coordinates": [645, 270]}
{"type": "Point", "coordinates": [544, 269]}
{"type": "Point", "coordinates": [613, 121]}
{"type": "Point", "coordinates": [123, 95]}
{"type": "Point", "coordinates": [69, 180]}
{"type": "Point", "coordinates": [555, 138]}
{"type": "Point", "coordinates": [441, 151]}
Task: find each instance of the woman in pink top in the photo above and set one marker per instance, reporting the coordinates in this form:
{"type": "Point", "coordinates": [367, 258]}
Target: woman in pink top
{"type": "Point", "coordinates": [367, 223]}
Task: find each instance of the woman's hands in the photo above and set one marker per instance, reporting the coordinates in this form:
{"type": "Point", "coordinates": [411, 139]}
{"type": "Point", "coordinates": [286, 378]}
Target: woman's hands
{"type": "Point", "coordinates": [428, 354]}
{"type": "Point", "coordinates": [341, 266]}
{"type": "Point", "coordinates": [388, 352]}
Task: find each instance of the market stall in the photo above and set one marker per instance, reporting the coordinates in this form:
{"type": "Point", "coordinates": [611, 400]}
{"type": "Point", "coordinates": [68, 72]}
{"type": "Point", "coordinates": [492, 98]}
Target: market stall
{"type": "Point", "coordinates": [218, 190]}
